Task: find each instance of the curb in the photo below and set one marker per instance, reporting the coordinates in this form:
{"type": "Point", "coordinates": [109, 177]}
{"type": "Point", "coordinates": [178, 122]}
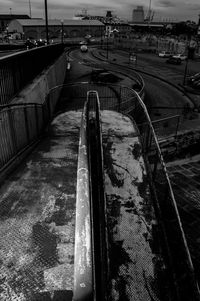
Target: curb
{"type": "Point", "coordinates": [157, 77]}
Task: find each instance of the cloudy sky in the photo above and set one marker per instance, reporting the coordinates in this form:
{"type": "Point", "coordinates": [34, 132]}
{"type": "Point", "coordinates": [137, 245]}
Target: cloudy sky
{"type": "Point", "coordinates": [65, 9]}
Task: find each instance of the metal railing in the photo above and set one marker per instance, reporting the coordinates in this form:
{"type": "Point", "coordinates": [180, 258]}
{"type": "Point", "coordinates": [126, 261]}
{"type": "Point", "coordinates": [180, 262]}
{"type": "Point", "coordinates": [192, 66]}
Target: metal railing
{"type": "Point", "coordinates": [21, 125]}
{"type": "Point", "coordinates": [126, 100]}
{"type": "Point", "coordinates": [90, 261]}
{"type": "Point", "coordinates": [138, 81]}
{"type": "Point", "coordinates": [17, 70]}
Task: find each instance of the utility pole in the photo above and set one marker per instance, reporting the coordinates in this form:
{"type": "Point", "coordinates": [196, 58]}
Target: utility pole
{"type": "Point", "coordinates": [30, 9]}
{"type": "Point", "coordinates": [62, 31]}
{"type": "Point", "coordinates": [186, 64]}
{"type": "Point", "coordinates": [107, 47]}
{"type": "Point", "coordinates": [46, 21]}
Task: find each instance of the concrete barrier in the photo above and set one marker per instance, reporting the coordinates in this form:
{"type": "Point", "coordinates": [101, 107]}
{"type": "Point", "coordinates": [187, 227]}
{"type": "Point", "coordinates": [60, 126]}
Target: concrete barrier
{"type": "Point", "coordinates": [39, 88]}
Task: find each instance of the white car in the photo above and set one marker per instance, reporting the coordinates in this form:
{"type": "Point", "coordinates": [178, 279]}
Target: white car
{"type": "Point", "coordinates": [180, 56]}
{"type": "Point", "coordinates": [164, 54]}
{"type": "Point", "coordinates": [84, 48]}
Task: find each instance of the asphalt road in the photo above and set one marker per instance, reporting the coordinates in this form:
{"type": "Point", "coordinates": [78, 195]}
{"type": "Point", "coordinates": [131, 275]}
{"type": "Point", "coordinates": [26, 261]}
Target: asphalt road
{"type": "Point", "coordinates": [164, 99]}
{"type": "Point", "coordinates": [155, 61]}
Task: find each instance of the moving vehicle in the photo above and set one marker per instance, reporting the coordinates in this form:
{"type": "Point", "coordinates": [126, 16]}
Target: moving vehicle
{"type": "Point", "coordinates": [173, 60]}
{"type": "Point", "coordinates": [182, 57]}
{"type": "Point", "coordinates": [164, 54]}
{"type": "Point", "coordinates": [84, 48]}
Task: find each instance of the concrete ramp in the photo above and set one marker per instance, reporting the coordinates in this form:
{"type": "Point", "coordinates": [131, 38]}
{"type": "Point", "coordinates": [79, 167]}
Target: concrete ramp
{"type": "Point", "coordinates": [37, 218]}
{"type": "Point", "coordinates": [136, 263]}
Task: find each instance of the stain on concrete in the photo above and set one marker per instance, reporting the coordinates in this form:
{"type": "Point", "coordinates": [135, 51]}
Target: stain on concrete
{"type": "Point", "coordinates": [136, 265]}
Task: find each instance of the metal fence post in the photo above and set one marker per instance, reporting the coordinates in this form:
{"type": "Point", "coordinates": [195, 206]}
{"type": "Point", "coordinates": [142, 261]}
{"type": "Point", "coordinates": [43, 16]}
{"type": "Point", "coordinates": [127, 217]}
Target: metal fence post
{"type": "Point", "coordinates": [120, 97]}
{"type": "Point", "coordinates": [49, 106]}
{"type": "Point", "coordinates": [12, 129]}
{"type": "Point", "coordinates": [26, 124]}
{"type": "Point", "coordinates": [36, 118]}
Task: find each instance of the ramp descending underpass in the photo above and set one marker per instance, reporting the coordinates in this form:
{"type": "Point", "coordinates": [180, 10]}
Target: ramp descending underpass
{"type": "Point", "coordinates": [82, 218]}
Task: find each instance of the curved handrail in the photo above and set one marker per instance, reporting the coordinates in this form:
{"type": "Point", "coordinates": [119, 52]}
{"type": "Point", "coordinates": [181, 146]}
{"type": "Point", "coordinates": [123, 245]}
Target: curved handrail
{"type": "Point", "coordinates": [90, 261]}
{"type": "Point", "coordinates": [83, 273]}
{"type": "Point", "coordinates": [138, 104]}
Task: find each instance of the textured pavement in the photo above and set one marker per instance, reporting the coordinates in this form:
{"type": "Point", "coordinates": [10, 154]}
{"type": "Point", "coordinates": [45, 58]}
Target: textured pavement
{"type": "Point", "coordinates": [37, 219]}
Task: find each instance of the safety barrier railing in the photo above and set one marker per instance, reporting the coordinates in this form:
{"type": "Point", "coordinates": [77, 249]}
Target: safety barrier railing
{"type": "Point", "coordinates": [21, 125]}
{"type": "Point", "coordinates": [126, 100]}
{"type": "Point", "coordinates": [90, 262]}
{"type": "Point", "coordinates": [18, 69]}
{"type": "Point", "coordinates": [180, 260]}
{"type": "Point", "coordinates": [138, 82]}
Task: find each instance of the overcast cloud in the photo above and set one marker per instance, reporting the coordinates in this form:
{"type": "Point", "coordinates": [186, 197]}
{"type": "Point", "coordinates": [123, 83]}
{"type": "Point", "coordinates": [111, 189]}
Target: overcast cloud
{"type": "Point", "coordinates": [65, 9]}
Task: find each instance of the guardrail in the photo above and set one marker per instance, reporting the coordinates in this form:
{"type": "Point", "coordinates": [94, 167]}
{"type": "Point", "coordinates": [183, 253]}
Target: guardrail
{"type": "Point", "coordinates": [126, 100]}
{"type": "Point", "coordinates": [113, 66]}
{"type": "Point", "coordinates": [90, 261]}
{"type": "Point", "coordinates": [17, 70]}
{"type": "Point", "coordinates": [21, 125]}
{"type": "Point", "coordinates": [180, 261]}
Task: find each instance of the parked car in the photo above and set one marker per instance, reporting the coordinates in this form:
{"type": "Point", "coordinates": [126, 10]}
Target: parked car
{"type": "Point", "coordinates": [173, 60]}
{"type": "Point", "coordinates": [40, 42]}
{"type": "Point", "coordinates": [29, 44]}
{"type": "Point", "coordinates": [194, 78]}
{"type": "Point", "coordinates": [164, 54]}
{"type": "Point", "coordinates": [182, 57]}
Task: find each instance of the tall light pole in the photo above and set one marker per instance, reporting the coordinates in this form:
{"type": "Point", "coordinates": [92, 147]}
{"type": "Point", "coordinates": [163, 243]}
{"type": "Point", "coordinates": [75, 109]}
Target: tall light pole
{"type": "Point", "coordinates": [187, 58]}
{"type": "Point", "coordinates": [62, 33]}
{"type": "Point", "coordinates": [46, 21]}
{"type": "Point", "coordinates": [107, 47]}
{"type": "Point", "coordinates": [30, 9]}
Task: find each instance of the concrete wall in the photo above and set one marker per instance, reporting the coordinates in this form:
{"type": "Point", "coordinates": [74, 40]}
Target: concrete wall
{"type": "Point", "coordinates": [39, 88]}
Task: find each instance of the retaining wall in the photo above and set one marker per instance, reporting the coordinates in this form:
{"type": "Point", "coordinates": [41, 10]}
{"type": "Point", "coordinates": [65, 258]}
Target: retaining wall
{"type": "Point", "coordinates": [39, 88]}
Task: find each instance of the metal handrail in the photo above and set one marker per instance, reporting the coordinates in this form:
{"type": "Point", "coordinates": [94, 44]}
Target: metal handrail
{"type": "Point", "coordinates": [183, 270]}
{"type": "Point", "coordinates": [21, 125]}
{"type": "Point", "coordinates": [83, 263]}
{"type": "Point", "coordinates": [90, 261]}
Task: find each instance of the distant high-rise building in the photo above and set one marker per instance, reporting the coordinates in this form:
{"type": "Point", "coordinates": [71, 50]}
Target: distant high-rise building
{"type": "Point", "coordinates": [109, 14]}
{"type": "Point", "coordinates": [198, 30]}
{"type": "Point", "coordinates": [138, 14]}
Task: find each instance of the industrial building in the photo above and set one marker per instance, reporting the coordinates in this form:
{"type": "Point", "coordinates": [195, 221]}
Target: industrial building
{"type": "Point", "coordinates": [6, 18]}
{"type": "Point", "coordinates": [138, 14]}
{"type": "Point", "coordinates": [35, 28]}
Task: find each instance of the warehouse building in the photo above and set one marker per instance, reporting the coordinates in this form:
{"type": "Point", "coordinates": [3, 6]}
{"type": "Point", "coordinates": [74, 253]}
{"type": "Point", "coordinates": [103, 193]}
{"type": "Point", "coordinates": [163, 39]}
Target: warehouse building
{"type": "Point", "coordinates": [35, 28]}
{"type": "Point", "coordinates": [5, 20]}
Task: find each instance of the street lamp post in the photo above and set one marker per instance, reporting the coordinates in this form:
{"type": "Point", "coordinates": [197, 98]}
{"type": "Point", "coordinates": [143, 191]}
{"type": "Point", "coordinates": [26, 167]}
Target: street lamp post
{"type": "Point", "coordinates": [46, 21]}
{"type": "Point", "coordinates": [107, 34]}
{"type": "Point", "coordinates": [62, 31]}
{"type": "Point", "coordinates": [186, 64]}
{"type": "Point", "coordinates": [30, 9]}
{"type": "Point", "coordinates": [7, 34]}
{"type": "Point", "coordinates": [185, 71]}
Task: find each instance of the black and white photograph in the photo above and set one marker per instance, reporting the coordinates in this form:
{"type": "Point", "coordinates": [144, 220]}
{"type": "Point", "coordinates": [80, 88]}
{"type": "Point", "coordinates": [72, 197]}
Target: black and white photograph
{"type": "Point", "coordinates": [100, 150]}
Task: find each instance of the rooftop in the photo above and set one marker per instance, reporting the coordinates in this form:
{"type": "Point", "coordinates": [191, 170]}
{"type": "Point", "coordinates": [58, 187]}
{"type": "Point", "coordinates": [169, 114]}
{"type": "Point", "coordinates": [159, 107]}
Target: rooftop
{"type": "Point", "coordinates": [41, 22]}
